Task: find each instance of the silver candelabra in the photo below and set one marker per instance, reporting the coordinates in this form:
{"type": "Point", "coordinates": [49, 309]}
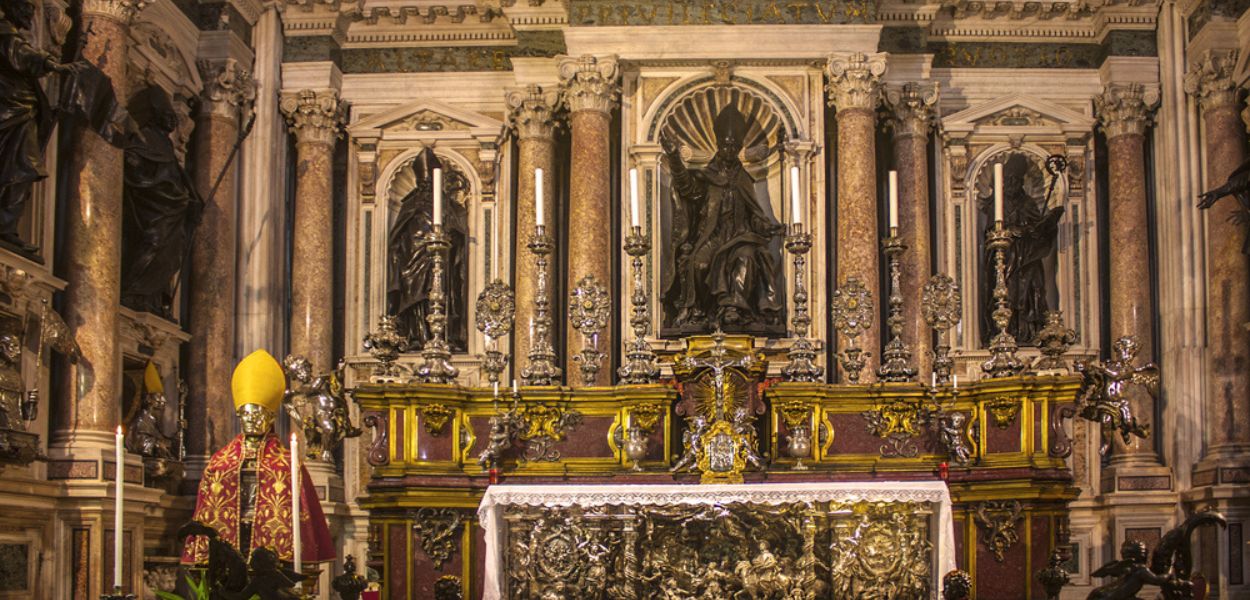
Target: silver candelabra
{"type": "Point", "coordinates": [896, 357]}
{"type": "Point", "coordinates": [542, 369]}
{"type": "Point", "coordinates": [1003, 361]}
{"type": "Point", "coordinates": [640, 364]}
{"type": "Point", "coordinates": [802, 365]}
{"type": "Point", "coordinates": [437, 367]}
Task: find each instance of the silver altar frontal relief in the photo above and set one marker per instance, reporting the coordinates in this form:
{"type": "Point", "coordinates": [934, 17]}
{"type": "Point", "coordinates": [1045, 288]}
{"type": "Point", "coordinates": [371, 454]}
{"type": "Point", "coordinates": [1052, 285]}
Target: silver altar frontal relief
{"type": "Point", "coordinates": [805, 540]}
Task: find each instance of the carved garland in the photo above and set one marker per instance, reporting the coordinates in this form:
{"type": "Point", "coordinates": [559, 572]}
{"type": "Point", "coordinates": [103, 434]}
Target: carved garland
{"type": "Point", "coordinates": [998, 519]}
{"type": "Point", "coordinates": [437, 528]}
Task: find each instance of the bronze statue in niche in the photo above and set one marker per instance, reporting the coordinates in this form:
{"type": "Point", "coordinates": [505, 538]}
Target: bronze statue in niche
{"type": "Point", "coordinates": [411, 262]}
{"type": "Point", "coordinates": [160, 207]}
{"type": "Point", "coordinates": [1034, 226]}
{"type": "Point", "coordinates": [725, 269]}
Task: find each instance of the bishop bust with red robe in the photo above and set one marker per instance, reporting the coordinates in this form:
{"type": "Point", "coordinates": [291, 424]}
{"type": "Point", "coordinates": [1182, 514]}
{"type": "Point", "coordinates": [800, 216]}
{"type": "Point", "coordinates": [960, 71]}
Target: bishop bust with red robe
{"type": "Point", "coordinates": [245, 492]}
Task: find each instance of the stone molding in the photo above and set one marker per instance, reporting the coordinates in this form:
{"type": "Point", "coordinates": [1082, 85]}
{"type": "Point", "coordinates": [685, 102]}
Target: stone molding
{"type": "Point", "coordinates": [1210, 80]}
{"type": "Point", "coordinates": [314, 116]}
{"type": "Point", "coordinates": [1125, 108]}
{"type": "Point", "coordinates": [855, 80]}
{"type": "Point", "coordinates": [914, 106]}
{"type": "Point", "coordinates": [121, 11]}
{"type": "Point", "coordinates": [589, 82]}
{"type": "Point", "coordinates": [532, 112]}
{"type": "Point", "coordinates": [229, 90]}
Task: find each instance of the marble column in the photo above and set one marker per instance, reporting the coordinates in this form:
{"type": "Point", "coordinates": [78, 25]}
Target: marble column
{"type": "Point", "coordinates": [228, 92]}
{"type": "Point", "coordinates": [914, 106]}
{"type": "Point", "coordinates": [854, 88]}
{"type": "Point", "coordinates": [590, 88]}
{"type": "Point", "coordinates": [88, 410]}
{"type": "Point", "coordinates": [1228, 270]}
{"type": "Point", "coordinates": [315, 117]}
{"type": "Point", "coordinates": [531, 114]}
{"type": "Point", "coordinates": [1124, 112]}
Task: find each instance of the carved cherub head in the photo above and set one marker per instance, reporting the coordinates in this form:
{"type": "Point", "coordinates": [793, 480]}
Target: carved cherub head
{"type": "Point", "coordinates": [297, 368]}
{"type": "Point", "coordinates": [1134, 551]}
{"type": "Point", "coordinates": [1125, 349]}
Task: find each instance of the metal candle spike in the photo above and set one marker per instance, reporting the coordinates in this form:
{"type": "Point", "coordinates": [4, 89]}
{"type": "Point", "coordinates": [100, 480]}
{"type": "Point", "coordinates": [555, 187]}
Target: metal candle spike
{"type": "Point", "coordinates": [437, 367]}
{"type": "Point", "coordinates": [640, 364]}
{"type": "Point", "coordinates": [542, 369]}
{"type": "Point", "coordinates": [1003, 361]}
{"type": "Point", "coordinates": [896, 357]}
{"type": "Point", "coordinates": [802, 365]}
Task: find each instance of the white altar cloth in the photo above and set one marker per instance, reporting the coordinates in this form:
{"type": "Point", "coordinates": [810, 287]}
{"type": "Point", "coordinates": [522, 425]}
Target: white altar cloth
{"type": "Point", "coordinates": [490, 511]}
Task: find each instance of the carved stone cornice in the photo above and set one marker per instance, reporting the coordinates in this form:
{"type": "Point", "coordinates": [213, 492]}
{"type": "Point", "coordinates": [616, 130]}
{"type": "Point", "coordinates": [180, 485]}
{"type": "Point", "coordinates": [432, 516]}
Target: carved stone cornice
{"type": "Point", "coordinates": [914, 106]}
{"type": "Point", "coordinates": [1124, 108]}
{"type": "Point", "coordinates": [1211, 79]}
{"type": "Point", "coordinates": [121, 11]}
{"type": "Point", "coordinates": [315, 116]}
{"type": "Point", "coordinates": [589, 82]}
{"type": "Point", "coordinates": [229, 90]}
{"type": "Point", "coordinates": [532, 112]}
{"type": "Point", "coordinates": [855, 80]}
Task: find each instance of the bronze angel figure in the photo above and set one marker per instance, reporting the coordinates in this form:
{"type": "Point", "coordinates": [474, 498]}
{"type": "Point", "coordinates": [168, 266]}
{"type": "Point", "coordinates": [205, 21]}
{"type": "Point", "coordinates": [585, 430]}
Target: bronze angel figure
{"type": "Point", "coordinates": [1170, 567]}
{"type": "Point", "coordinates": [1104, 394]}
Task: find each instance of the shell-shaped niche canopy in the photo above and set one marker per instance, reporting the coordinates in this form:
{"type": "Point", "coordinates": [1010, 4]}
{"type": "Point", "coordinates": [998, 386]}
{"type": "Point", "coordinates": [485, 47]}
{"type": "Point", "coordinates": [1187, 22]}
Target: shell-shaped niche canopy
{"type": "Point", "coordinates": [691, 123]}
{"type": "Point", "coordinates": [455, 184]}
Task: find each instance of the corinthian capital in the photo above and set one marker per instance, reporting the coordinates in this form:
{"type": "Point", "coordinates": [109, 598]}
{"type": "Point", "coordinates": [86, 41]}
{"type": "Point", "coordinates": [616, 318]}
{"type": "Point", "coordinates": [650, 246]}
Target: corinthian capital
{"type": "Point", "coordinates": [855, 79]}
{"type": "Point", "coordinates": [1124, 108]}
{"type": "Point", "coordinates": [531, 112]}
{"type": "Point", "coordinates": [229, 90]}
{"type": "Point", "coordinates": [314, 115]}
{"type": "Point", "coordinates": [1211, 79]}
{"type": "Point", "coordinates": [589, 83]}
{"type": "Point", "coordinates": [914, 106]}
{"type": "Point", "coordinates": [118, 10]}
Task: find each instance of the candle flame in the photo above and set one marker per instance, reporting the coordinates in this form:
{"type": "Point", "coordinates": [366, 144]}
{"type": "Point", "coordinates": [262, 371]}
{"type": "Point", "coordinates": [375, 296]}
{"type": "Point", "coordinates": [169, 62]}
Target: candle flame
{"type": "Point", "coordinates": [119, 430]}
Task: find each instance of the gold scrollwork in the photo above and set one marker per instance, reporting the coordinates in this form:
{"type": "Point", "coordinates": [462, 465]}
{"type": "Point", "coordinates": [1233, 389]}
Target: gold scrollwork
{"type": "Point", "coordinates": [1004, 411]}
{"type": "Point", "coordinates": [898, 422]}
{"type": "Point", "coordinates": [434, 417]}
{"type": "Point", "coordinates": [542, 426]}
{"type": "Point", "coordinates": [437, 528]}
{"type": "Point", "coordinates": [881, 551]}
{"type": "Point", "coordinates": [998, 518]}
{"type": "Point", "coordinates": [646, 416]}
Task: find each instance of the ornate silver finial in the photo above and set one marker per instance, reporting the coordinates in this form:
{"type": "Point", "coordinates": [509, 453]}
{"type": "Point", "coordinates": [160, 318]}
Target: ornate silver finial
{"type": "Point", "coordinates": [896, 358]}
{"type": "Point", "coordinates": [941, 305]}
{"type": "Point", "coordinates": [1054, 340]}
{"type": "Point", "coordinates": [852, 316]}
{"type": "Point", "coordinates": [385, 344]}
{"type": "Point", "coordinates": [496, 310]}
{"type": "Point", "coordinates": [589, 311]}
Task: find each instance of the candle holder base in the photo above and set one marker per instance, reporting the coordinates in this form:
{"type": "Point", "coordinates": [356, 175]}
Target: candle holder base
{"type": "Point", "coordinates": [117, 595]}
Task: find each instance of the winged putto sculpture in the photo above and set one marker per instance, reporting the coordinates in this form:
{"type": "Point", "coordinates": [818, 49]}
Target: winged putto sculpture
{"type": "Point", "coordinates": [1170, 567]}
{"type": "Point", "coordinates": [1104, 397]}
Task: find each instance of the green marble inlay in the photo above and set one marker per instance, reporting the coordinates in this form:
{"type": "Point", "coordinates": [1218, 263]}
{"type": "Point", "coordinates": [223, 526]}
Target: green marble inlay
{"type": "Point", "coordinates": [428, 60]}
{"type": "Point", "coordinates": [722, 12]}
{"type": "Point", "coordinates": [902, 40]}
{"type": "Point", "coordinates": [310, 49]}
{"type": "Point", "coordinates": [544, 44]}
{"type": "Point", "coordinates": [1043, 55]}
{"type": "Point", "coordinates": [1208, 10]}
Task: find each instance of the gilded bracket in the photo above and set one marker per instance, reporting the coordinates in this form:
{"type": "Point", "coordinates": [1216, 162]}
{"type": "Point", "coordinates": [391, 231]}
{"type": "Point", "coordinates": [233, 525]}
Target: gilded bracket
{"type": "Point", "coordinates": [897, 422]}
{"type": "Point", "coordinates": [998, 519]}
{"type": "Point", "coordinates": [543, 426]}
{"type": "Point", "coordinates": [1004, 411]}
{"type": "Point", "coordinates": [434, 417]}
{"type": "Point", "coordinates": [437, 528]}
{"type": "Point", "coordinates": [646, 416]}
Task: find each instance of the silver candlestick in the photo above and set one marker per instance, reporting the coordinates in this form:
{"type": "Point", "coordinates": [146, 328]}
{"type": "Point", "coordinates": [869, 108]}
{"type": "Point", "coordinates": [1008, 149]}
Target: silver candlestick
{"type": "Point", "coordinates": [1003, 361]}
{"type": "Point", "coordinates": [640, 364]}
{"type": "Point", "coordinates": [437, 367]}
{"type": "Point", "coordinates": [496, 309]}
{"type": "Point", "coordinates": [896, 357]}
{"type": "Point", "coordinates": [802, 365]}
{"type": "Point", "coordinates": [542, 369]}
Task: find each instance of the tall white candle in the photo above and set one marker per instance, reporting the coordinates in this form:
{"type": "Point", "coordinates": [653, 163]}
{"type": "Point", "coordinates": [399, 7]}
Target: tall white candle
{"type": "Point", "coordinates": [893, 200]}
{"type": "Point", "coordinates": [295, 484]}
{"type": "Point", "coordinates": [998, 192]}
{"type": "Point", "coordinates": [956, 381]}
{"type": "Point", "coordinates": [494, 245]}
{"type": "Point", "coordinates": [796, 206]}
{"type": "Point", "coordinates": [538, 197]}
{"type": "Point", "coordinates": [438, 196]}
{"type": "Point", "coordinates": [118, 505]}
{"type": "Point", "coordinates": [633, 197]}
{"type": "Point", "coordinates": [515, 389]}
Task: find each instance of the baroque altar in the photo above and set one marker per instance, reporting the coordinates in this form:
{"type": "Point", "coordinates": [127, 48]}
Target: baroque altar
{"type": "Point", "coordinates": [798, 540]}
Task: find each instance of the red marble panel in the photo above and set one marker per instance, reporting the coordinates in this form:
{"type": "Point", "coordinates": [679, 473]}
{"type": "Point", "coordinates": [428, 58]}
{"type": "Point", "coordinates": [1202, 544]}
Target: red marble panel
{"type": "Point", "coordinates": [1001, 580]}
{"type": "Point", "coordinates": [960, 544]}
{"type": "Point", "coordinates": [397, 422]}
{"type": "Point", "coordinates": [476, 584]}
{"type": "Point", "coordinates": [1041, 551]}
{"type": "Point", "coordinates": [1038, 420]}
{"type": "Point", "coordinates": [851, 436]}
{"type": "Point", "coordinates": [1001, 440]}
{"type": "Point", "coordinates": [435, 447]}
{"type": "Point", "coordinates": [589, 439]}
{"type": "Point", "coordinates": [655, 449]}
{"type": "Point", "coordinates": [481, 434]}
{"type": "Point", "coordinates": [397, 562]}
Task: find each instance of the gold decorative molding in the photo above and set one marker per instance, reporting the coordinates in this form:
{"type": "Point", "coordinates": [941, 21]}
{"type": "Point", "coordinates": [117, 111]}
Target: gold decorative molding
{"type": "Point", "coordinates": [998, 520]}
{"type": "Point", "coordinates": [1004, 411]}
{"type": "Point", "coordinates": [855, 80]}
{"type": "Point", "coordinates": [646, 416]}
{"type": "Point", "coordinates": [434, 417]}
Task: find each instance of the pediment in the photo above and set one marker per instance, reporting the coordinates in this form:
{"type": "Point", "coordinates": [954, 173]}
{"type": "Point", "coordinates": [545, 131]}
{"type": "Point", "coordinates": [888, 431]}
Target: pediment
{"type": "Point", "coordinates": [426, 118]}
{"type": "Point", "coordinates": [1017, 112]}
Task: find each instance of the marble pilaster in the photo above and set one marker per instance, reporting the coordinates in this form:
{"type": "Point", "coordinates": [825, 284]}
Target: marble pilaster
{"type": "Point", "coordinates": [531, 114]}
{"type": "Point", "coordinates": [854, 86]}
{"type": "Point", "coordinates": [590, 89]}
{"type": "Point", "coordinates": [228, 93]}
{"type": "Point", "coordinates": [1124, 114]}
{"type": "Point", "coordinates": [1210, 81]}
{"type": "Point", "coordinates": [315, 117]}
{"type": "Point", "coordinates": [914, 106]}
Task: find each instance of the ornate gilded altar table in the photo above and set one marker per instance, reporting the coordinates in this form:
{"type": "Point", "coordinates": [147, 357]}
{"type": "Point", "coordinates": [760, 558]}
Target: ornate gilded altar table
{"type": "Point", "coordinates": [791, 541]}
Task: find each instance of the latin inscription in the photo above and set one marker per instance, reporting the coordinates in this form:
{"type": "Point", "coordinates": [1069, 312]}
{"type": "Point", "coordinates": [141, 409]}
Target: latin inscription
{"type": "Point", "coordinates": [724, 12]}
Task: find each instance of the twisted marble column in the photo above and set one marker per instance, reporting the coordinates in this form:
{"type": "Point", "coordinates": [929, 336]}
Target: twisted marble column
{"type": "Point", "coordinates": [87, 410]}
{"type": "Point", "coordinates": [1228, 269]}
{"type": "Point", "coordinates": [315, 117]}
{"type": "Point", "coordinates": [854, 88]}
{"type": "Point", "coordinates": [1124, 113]}
{"type": "Point", "coordinates": [590, 90]}
{"type": "Point", "coordinates": [914, 106]}
{"type": "Point", "coordinates": [229, 91]}
{"type": "Point", "coordinates": [531, 114]}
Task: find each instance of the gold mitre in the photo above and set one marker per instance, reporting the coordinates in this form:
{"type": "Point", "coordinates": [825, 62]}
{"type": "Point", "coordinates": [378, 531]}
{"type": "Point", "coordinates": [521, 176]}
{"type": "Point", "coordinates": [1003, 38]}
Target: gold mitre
{"type": "Point", "coordinates": [152, 383]}
{"type": "Point", "coordinates": [258, 379]}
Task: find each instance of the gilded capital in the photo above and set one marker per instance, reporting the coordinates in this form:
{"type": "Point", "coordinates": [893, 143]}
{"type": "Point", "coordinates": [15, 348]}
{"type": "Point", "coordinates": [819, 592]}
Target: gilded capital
{"type": "Point", "coordinates": [855, 79]}
{"type": "Point", "coordinates": [914, 106]}
{"type": "Point", "coordinates": [229, 90]}
{"type": "Point", "coordinates": [590, 83]}
{"type": "Point", "coordinates": [1210, 80]}
{"type": "Point", "coordinates": [532, 112]}
{"type": "Point", "coordinates": [1124, 108]}
{"type": "Point", "coordinates": [121, 11]}
{"type": "Point", "coordinates": [314, 115]}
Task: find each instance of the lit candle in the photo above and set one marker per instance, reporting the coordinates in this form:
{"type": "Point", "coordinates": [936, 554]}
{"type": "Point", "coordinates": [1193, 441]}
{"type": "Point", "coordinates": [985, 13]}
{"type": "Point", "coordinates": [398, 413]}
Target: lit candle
{"type": "Point", "coordinates": [796, 211]}
{"type": "Point", "coordinates": [118, 504]}
{"type": "Point", "coordinates": [893, 200]}
{"type": "Point", "coordinates": [932, 379]}
{"type": "Point", "coordinates": [438, 196]}
{"type": "Point", "coordinates": [633, 197]}
{"type": "Point", "coordinates": [515, 389]}
{"type": "Point", "coordinates": [538, 197]}
{"type": "Point", "coordinates": [998, 193]}
{"type": "Point", "coordinates": [495, 386]}
{"type": "Point", "coordinates": [956, 381]}
{"type": "Point", "coordinates": [295, 483]}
